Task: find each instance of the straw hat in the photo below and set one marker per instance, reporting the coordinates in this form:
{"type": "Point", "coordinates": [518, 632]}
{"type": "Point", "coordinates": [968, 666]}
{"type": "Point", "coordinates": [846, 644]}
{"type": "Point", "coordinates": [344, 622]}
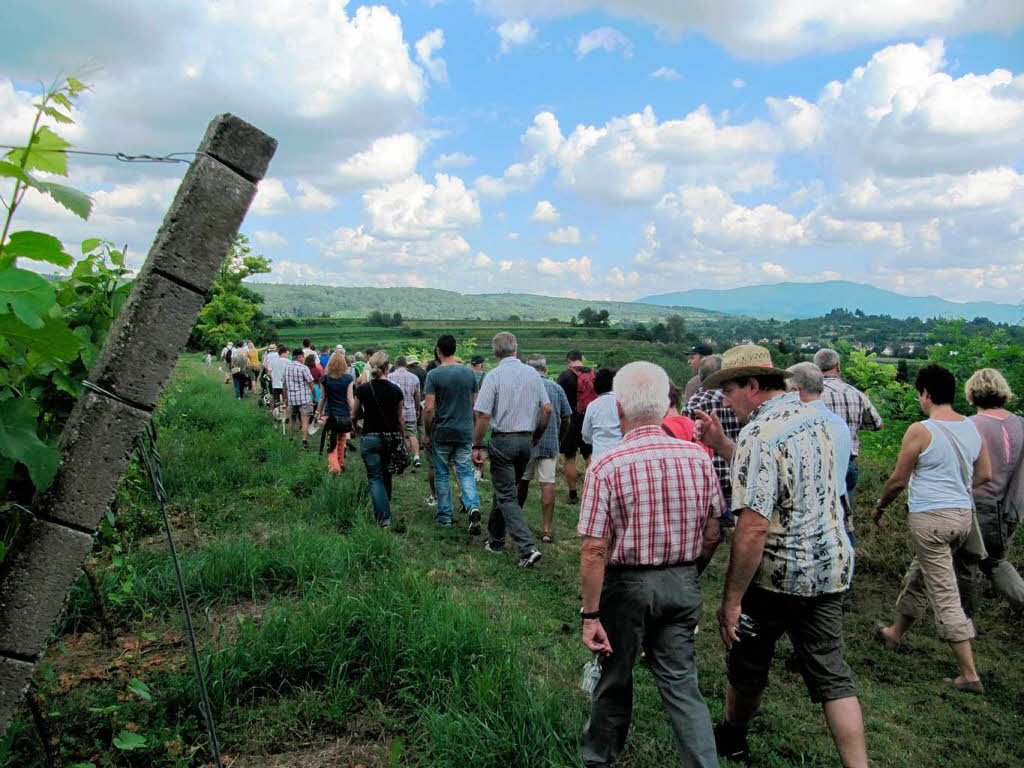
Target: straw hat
{"type": "Point", "coordinates": [412, 360]}
{"type": "Point", "coordinates": [741, 361]}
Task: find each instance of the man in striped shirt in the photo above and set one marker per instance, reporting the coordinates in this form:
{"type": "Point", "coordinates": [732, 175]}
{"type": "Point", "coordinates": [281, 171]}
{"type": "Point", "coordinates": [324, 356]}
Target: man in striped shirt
{"type": "Point", "coordinates": [649, 522]}
{"type": "Point", "coordinates": [514, 404]}
{"type": "Point", "coordinates": [850, 404]}
{"type": "Point", "coordinates": [409, 383]}
{"type": "Point", "coordinates": [298, 393]}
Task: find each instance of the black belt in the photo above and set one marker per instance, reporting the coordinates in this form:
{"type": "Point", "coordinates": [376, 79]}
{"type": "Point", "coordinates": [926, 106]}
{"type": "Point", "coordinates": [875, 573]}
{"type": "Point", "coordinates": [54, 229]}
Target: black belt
{"type": "Point", "coordinates": [638, 568]}
{"type": "Point", "coordinates": [501, 434]}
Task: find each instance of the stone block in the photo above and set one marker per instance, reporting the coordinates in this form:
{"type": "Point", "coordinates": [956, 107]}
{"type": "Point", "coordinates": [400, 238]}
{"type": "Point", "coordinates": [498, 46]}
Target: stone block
{"type": "Point", "coordinates": [204, 216]}
{"type": "Point", "coordinates": [34, 581]}
{"type": "Point", "coordinates": [96, 446]}
{"type": "Point", "coordinates": [146, 339]}
{"type": "Point", "coordinates": [14, 677]}
{"type": "Point", "coordinates": [240, 145]}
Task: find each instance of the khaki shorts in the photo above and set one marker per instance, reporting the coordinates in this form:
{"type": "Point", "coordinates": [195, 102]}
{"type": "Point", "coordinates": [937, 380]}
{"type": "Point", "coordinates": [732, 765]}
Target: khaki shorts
{"type": "Point", "coordinates": [543, 468]}
{"type": "Point", "coordinates": [306, 409]}
{"type": "Point", "coordinates": [411, 429]}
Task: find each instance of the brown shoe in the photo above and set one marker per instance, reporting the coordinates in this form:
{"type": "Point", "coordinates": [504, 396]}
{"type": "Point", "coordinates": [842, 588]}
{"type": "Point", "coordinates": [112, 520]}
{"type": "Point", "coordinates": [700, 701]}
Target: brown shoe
{"type": "Point", "coordinates": [880, 636]}
{"type": "Point", "coordinates": [967, 686]}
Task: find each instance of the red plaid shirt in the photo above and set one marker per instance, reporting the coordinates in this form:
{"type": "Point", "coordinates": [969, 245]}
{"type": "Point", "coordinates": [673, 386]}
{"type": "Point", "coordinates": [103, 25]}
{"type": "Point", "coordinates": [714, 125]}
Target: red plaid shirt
{"type": "Point", "coordinates": [651, 497]}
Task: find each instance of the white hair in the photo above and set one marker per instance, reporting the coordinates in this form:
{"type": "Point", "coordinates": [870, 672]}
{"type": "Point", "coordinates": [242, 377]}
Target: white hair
{"type": "Point", "coordinates": [538, 362]}
{"type": "Point", "coordinates": [504, 344]}
{"type": "Point", "coordinates": [826, 359]}
{"type": "Point", "coordinates": [641, 390]}
{"type": "Point", "coordinates": [807, 377]}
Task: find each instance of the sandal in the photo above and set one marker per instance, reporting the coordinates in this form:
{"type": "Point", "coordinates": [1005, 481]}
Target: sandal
{"type": "Point", "coordinates": [968, 686]}
{"type": "Point", "coordinates": [546, 538]}
{"type": "Point", "coordinates": [890, 645]}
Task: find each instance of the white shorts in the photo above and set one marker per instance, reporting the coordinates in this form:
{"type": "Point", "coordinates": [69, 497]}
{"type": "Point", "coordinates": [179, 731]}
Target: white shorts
{"type": "Point", "coordinates": [543, 468]}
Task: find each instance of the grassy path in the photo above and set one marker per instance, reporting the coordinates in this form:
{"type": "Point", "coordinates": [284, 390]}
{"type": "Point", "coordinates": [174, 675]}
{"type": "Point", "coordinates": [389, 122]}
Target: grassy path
{"type": "Point", "coordinates": [331, 642]}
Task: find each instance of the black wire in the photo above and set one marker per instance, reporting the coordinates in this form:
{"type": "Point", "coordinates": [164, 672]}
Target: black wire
{"type": "Point", "coordinates": [123, 157]}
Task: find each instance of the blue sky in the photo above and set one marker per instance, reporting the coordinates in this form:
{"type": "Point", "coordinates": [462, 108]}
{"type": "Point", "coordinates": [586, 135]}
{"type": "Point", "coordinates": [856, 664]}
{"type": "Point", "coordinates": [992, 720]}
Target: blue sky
{"type": "Point", "coordinates": [597, 148]}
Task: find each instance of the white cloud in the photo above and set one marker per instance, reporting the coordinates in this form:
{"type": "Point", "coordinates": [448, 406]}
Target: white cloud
{"type": "Point", "coordinates": [666, 73]}
{"type": "Point", "coordinates": [516, 33]}
{"type": "Point", "coordinates": [606, 39]}
{"type": "Point", "coordinates": [388, 159]}
{"type": "Point", "coordinates": [426, 47]}
{"type": "Point", "coordinates": [311, 198]}
{"type": "Point", "coordinates": [454, 160]}
{"type": "Point", "coordinates": [482, 261]}
{"type": "Point", "coordinates": [564, 236]}
{"type": "Point", "coordinates": [539, 142]}
{"type": "Point", "coordinates": [271, 197]}
{"type": "Point", "coordinates": [739, 82]}
{"type": "Point", "coordinates": [136, 197]}
{"type": "Point", "coordinates": [414, 209]}
{"type": "Point", "coordinates": [512, 236]}
{"type": "Point", "coordinates": [545, 213]}
{"type": "Point", "coordinates": [269, 238]}
{"type": "Point", "coordinates": [581, 268]}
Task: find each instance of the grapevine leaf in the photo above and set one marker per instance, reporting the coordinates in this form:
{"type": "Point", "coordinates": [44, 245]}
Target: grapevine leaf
{"type": "Point", "coordinates": [77, 202]}
{"type": "Point", "coordinates": [46, 153]}
{"type": "Point", "coordinates": [75, 84]}
{"type": "Point", "coordinates": [90, 245]}
{"type": "Point", "coordinates": [67, 384]}
{"type": "Point", "coordinates": [11, 171]}
{"type": "Point", "coordinates": [38, 246]}
{"type": "Point", "coordinates": [19, 441]}
{"type": "Point", "coordinates": [127, 741]}
{"type": "Point", "coordinates": [27, 294]}
{"type": "Point", "coordinates": [61, 99]}
{"type": "Point", "coordinates": [54, 341]}
{"type": "Point", "coordinates": [57, 115]}
{"type": "Point", "coordinates": [139, 688]}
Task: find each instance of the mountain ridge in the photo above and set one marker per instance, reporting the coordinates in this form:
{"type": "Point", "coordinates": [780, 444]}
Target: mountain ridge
{"type": "Point", "coordinates": [787, 301]}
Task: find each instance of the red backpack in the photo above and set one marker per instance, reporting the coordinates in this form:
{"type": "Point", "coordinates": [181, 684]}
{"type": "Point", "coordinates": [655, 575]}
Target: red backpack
{"type": "Point", "coordinates": [585, 393]}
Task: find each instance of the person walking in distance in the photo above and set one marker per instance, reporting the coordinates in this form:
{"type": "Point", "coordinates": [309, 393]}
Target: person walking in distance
{"type": "Point", "coordinates": [278, 365]}
{"type": "Point", "coordinates": [696, 357]}
{"type": "Point", "coordinates": [644, 545]}
{"type": "Point", "coordinates": [999, 502]}
{"type": "Point", "coordinates": [477, 364]}
{"type": "Point", "coordinates": [380, 404]}
{"type": "Point", "coordinates": [299, 393]}
{"type": "Point", "coordinates": [601, 427]}
{"type": "Point", "coordinates": [545, 452]}
{"type": "Point", "coordinates": [409, 383]}
{"type": "Point", "coordinates": [943, 459]}
{"type": "Point", "coordinates": [852, 405]}
{"type": "Point", "coordinates": [577, 381]}
{"type": "Point", "coordinates": [448, 432]}
{"type": "Point", "coordinates": [515, 406]}
{"type": "Point", "coordinates": [791, 561]}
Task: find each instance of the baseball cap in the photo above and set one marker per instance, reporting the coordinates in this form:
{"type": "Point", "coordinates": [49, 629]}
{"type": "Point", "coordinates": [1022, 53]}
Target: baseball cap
{"type": "Point", "coordinates": [702, 349]}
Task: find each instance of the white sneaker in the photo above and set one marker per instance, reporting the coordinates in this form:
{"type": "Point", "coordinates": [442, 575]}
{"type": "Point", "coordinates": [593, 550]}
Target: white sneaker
{"type": "Point", "coordinates": [531, 559]}
{"type": "Point", "coordinates": [431, 500]}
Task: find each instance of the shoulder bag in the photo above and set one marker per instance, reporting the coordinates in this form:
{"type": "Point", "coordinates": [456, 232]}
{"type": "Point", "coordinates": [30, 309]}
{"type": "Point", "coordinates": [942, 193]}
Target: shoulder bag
{"type": "Point", "coordinates": [1012, 503]}
{"type": "Point", "coordinates": [974, 544]}
{"type": "Point", "coordinates": [396, 451]}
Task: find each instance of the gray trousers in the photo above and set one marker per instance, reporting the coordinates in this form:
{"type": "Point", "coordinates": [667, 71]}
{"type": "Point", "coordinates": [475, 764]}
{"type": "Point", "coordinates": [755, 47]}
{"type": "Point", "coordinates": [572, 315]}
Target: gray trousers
{"type": "Point", "coordinates": [998, 535]}
{"type": "Point", "coordinates": [657, 610]}
{"type": "Point", "coordinates": [509, 455]}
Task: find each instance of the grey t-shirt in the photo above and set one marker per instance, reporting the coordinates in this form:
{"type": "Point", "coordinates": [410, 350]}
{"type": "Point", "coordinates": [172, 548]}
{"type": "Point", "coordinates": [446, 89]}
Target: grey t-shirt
{"type": "Point", "coordinates": [452, 387]}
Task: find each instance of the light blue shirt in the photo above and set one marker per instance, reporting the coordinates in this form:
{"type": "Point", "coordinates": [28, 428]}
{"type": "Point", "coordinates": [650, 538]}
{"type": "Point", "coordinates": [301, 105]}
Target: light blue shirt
{"type": "Point", "coordinates": [842, 439]}
{"type": "Point", "coordinates": [512, 394]}
{"type": "Point", "coordinates": [938, 481]}
{"type": "Point", "coordinates": [601, 425]}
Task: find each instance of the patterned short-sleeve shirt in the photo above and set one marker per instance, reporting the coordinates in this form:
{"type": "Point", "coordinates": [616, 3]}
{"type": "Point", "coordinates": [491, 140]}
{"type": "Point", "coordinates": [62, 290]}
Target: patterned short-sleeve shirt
{"type": "Point", "coordinates": [409, 383]}
{"type": "Point", "coordinates": [784, 469]}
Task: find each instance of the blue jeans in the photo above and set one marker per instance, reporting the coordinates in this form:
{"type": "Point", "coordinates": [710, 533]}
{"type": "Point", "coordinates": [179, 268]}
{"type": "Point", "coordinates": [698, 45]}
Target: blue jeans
{"type": "Point", "coordinates": [372, 451]}
{"type": "Point", "coordinates": [240, 385]}
{"type": "Point", "coordinates": [463, 456]}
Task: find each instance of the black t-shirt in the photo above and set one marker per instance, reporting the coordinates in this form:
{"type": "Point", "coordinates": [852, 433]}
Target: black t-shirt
{"type": "Point", "coordinates": [336, 396]}
{"type": "Point", "coordinates": [567, 381]}
{"type": "Point", "coordinates": [380, 413]}
{"type": "Point", "coordinates": [420, 374]}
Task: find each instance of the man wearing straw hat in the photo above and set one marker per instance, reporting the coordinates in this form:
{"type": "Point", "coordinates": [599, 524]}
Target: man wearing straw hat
{"type": "Point", "coordinates": [791, 560]}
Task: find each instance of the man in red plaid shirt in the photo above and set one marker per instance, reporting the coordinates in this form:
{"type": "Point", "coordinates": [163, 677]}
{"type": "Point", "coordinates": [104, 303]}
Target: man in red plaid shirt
{"type": "Point", "coordinates": [649, 522]}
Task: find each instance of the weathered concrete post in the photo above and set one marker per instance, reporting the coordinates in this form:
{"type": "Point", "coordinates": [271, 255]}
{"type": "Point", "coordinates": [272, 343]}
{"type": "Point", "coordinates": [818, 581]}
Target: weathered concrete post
{"type": "Point", "coordinates": [99, 438]}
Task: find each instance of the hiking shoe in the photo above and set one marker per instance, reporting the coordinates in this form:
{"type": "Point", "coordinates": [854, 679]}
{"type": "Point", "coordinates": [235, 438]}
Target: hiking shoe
{"type": "Point", "coordinates": [444, 522]}
{"type": "Point", "coordinates": [474, 521]}
{"type": "Point", "coordinates": [574, 497]}
{"type": "Point", "coordinates": [431, 500]}
{"type": "Point", "coordinates": [386, 524]}
{"type": "Point", "coordinates": [531, 559]}
{"type": "Point", "coordinates": [493, 550]}
{"type": "Point", "coordinates": [416, 463]}
{"type": "Point", "coordinates": [305, 445]}
{"type": "Point", "coordinates": [731, 743]}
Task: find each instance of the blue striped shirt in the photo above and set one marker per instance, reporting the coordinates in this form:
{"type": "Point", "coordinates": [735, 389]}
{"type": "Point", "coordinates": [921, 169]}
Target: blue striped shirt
{"type": "Point", "coordinates": [512, 394]}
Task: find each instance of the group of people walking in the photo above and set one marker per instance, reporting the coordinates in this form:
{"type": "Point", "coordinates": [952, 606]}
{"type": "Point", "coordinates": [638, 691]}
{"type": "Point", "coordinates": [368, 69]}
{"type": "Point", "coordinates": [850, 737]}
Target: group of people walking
{"type": "Point", "coordinates": [769, 452]}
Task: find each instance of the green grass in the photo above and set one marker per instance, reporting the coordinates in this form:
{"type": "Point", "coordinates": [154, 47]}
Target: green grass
{"type": "Point", "coordinates": [316, 625]}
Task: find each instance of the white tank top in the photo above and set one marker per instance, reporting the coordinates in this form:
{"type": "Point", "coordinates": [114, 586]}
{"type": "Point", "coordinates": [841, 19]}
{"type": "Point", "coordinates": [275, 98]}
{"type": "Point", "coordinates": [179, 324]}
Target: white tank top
{"type": "Point", "coordinates": [937, 482]}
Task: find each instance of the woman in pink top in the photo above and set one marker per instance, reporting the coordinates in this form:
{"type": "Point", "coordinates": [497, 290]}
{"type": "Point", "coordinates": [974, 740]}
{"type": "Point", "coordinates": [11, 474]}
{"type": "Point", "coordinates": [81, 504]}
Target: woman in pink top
{"type": "Point", "coordinates": [998, 510]}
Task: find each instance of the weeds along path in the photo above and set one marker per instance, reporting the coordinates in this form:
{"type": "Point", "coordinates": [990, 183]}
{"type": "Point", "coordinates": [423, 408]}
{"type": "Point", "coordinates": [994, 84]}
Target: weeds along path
{"type": "Point", "coordinates": [330, 642]}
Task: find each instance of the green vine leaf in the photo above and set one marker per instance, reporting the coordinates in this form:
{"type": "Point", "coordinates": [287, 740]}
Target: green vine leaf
{"type": "Point", "coordinates": [46, 153]}
{"type": "Point", "coordinates": [90, 245]}
{"type": "Point", "coordinates": [77, 202]}
{"type": "Point", "coordinates": [127, 741]}
{"type": "Point", "coordinates": [27, 294]}
{"type": "Point", "coordinates": [57, 115]}
{"type": "Point", "coordinates": [11, 171]}
{"type": "Point", "coordinates": [38, 246]}
{"type": "Point", "coordinates": [53, 341]}
{"type": "Point", "coordinates": [19, 441]}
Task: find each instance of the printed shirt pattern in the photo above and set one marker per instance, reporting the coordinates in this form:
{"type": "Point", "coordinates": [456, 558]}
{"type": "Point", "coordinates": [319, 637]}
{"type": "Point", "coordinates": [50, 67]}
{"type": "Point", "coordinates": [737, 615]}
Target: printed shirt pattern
{"type": "Point", "coordinates": [651, 497]}
{"type": "Point", "coordinates": [713, 401]}
{"type": "Point", "coordinates": [409, 383]}
{"type": "Point", "coordinates": [296, 381]}
{"type": "Point", "coordinates": [853, 406]}
{"type": "Point", "coordinates": [512, 393]}
{"type": "Point", "coordinates": [547, 447]}
{"type": "Point", "coordinates": [784, 469]}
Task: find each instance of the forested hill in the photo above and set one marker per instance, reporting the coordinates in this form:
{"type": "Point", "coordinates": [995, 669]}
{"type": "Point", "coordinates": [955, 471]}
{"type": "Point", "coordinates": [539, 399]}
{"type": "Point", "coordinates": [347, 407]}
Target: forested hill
{"type": "Point", "coordinates": [785, 301]}
{"type": "Point", "coordinates": [346, 301]}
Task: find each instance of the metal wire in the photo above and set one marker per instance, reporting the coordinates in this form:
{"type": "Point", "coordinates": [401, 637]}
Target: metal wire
{"type": "Point", "coordinates": [122, 156]}
{"type": "Point", "coordinates": [151, 459]}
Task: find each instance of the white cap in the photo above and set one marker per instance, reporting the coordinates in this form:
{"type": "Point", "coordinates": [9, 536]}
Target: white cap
{"type": "Point", "coordinates": [339, 348]}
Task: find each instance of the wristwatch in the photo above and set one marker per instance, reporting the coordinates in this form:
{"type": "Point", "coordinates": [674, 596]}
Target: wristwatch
{"type": "Point", "coordinates": [592, 615]}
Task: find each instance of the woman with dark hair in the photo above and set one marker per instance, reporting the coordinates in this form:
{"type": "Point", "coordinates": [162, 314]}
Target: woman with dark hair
{"type": "Point", "coordinates": [601, 427]}
{"type": "Point", "coordinates": [998, 502]}
{"type": "Point", "coordinates": [336, 405]}
{"type": "Point", "coordinates": [942, 459]}
{"type": "Point", "coordinates": [379, 404]}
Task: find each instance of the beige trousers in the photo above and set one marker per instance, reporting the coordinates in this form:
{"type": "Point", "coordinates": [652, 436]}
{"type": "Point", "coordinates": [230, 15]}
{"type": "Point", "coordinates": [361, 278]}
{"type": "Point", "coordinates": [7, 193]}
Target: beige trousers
{"type": "Point", "coordinates": [931, 580]}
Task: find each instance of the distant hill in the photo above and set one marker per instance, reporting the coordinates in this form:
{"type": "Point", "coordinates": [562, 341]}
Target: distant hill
{"type": "Point", "coordinates": [345, 301]}
{"type": "Point", "coordinates": [786, 301]}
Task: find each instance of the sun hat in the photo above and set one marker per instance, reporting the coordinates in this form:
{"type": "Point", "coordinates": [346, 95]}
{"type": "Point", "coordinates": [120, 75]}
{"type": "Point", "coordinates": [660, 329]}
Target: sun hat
{"type": "Point", "coordinates": [412, 360]}
{"type": "Point", "coordinates": [741, 361]}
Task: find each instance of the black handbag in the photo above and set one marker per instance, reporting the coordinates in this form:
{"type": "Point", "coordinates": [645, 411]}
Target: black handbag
{"type": "Point", "coordinates": [394, 448]}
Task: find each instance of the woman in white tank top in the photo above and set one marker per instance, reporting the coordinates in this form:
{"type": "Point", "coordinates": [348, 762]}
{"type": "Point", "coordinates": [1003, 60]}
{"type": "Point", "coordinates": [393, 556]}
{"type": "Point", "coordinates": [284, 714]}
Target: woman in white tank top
{"type": "Point", "coordinates": [935, 457]}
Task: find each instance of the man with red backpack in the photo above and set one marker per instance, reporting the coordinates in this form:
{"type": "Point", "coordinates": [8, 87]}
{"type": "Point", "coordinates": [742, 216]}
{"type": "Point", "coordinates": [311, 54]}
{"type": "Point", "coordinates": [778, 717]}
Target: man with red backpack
{"type": "Point", "coordinates": [578, 383]}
